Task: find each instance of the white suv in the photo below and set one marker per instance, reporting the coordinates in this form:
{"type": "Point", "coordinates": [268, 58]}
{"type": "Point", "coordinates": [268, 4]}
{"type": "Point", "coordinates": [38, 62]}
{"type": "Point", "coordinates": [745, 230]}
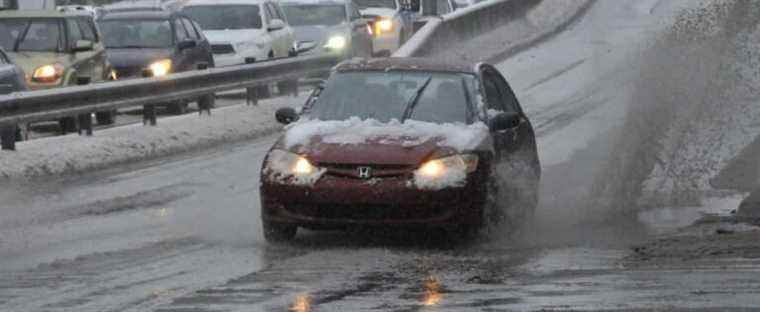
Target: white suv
{"type": "Point", "coordinates": [243, 31]}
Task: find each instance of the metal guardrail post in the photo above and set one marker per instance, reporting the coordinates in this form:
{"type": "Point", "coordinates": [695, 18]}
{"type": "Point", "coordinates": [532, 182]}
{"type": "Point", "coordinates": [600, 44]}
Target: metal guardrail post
{"type": "Point", "coordinates": [8, 138]}
{"type": "Point", "coordinates": [149, 115]}
{"type": "Point", "coordinates": [85, 124]}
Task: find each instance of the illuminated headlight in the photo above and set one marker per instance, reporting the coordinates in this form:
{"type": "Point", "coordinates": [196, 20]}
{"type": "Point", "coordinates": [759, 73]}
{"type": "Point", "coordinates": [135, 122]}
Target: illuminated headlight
{"type": "Point", "coordinates": [337, 42]}
{"type": "Point", "coordinates": [113, 75]}
{"type": "Point", "coordinates": [48, 73]}
{"type": "Point", "coordinates": [442, 167]}
{"type": "Point", "coordinates": [161, 68]}
{"type": "Point", "coordinates": [383, 26]}
{"type": "Point", "coordinates": [290, 164]}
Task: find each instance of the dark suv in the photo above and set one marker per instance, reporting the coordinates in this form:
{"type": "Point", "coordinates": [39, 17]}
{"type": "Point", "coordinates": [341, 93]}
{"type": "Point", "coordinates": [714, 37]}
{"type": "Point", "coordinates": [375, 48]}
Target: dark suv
{"type": "Point", "coordinates": [402, 142]}
{"type": "Point", "coordinates": [154, 44]}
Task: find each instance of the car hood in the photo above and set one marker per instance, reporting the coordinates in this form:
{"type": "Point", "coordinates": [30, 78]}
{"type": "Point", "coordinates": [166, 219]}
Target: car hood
{"type": "Point", "coordinates": [121, 58]}
{"type": "Point", "coordinates": [232, 36]}
{"type": "Point", "coordinates": [356, 141]}
{"type": "Point", "coordinates": [316, 33]}
{"type": "Point", "coordinates": [29, 61]}
{"type": "Point", "coordinates": [384, 12]}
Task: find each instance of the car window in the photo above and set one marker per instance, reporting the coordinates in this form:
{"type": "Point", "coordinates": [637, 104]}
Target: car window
{"type": "Point", "coordinates": [87, 28]}
{"type": "Point", "coordinates": [507, 95]}
{"type": "Point", "coordinates": [180, 31]}
{"type": "Point", "coordinates": [42, 35]}
{"type": "Point", "coordinates": [190, 29]}
{"type": "Point", "coordinates": [354, 12]}
{"type": "Point", "coordinates": [443, 7]}
{"type": "Point", "coordinates": [222, 17]}
{"type": "Point", "coordinates": [136, 33]}
{"type": "Point", "coordinates": [74, 31]}
{"type": "Point", "coordinates": [280, 13]}
{"type": "Point", "coordinates": [493, 97]}
{"type": "Point", "coordinates": [312, 15]}
{"type": "Point", "coordinates": [4, 58]}
{"type": "Point", "coordinates": [272, 12]}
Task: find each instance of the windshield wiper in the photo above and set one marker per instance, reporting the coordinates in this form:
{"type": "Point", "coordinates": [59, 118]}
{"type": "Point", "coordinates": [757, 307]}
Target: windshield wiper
{"type": "Point", "coordinates": [415, 98]}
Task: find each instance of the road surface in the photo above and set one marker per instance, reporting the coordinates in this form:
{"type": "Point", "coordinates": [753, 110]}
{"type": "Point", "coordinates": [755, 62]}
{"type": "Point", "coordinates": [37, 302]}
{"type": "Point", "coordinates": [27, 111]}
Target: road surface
{"type": "Point", "coordinates": [183, 234]}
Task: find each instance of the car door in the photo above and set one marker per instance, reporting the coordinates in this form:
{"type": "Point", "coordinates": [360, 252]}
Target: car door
{"type": "Point", "coordinates": [197, 54]}
{"type": "Point", "coordinates": [501, 99]}
{"type": "Point", "coordinates": [184, 58]}
{"type": "Point", "coordinates": [285, 37]}
{"type": "Point", "coordinates": [204, 44]}
{"type": "Point", "coordinates": [89, 31]}
{"type": "Point", "coordinates": [84, 63]}
{"type": "Point", "coordinates": [11, 76]}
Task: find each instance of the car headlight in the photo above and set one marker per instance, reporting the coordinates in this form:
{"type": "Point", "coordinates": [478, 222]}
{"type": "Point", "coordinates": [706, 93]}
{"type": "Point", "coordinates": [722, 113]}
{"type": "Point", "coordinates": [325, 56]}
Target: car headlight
{"type": "Point", "coordinates": [48, 73]}
{"type": "Point", "coordinates": [113, 75]}
{"type": "Point", "coordinates": [161, 68]}
{"type": "Point", "coordinates": [383, 26]}
{"type": "Point", "coordinates": [438, 168]}
{"type": "Point", "coordinates": [336, 42]}
{"type": "Point", "coordinates": [290, 164]}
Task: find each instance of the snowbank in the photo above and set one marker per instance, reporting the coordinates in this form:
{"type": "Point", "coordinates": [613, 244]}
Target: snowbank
{"type": "Point", "coordinates": [72, 153]}
{"type": "Point", "coordinates": [357, 131]}
{"type": "Point", "coordinates": [541, 22]}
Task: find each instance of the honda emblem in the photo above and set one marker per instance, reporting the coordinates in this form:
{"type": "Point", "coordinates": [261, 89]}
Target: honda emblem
{"type": "Point", "coordinates": [365, 172]}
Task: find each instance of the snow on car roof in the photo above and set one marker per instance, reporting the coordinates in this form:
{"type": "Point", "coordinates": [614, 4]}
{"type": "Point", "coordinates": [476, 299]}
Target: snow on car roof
{"type": "Point", "coordinates": [313, 2]}
{"type": "Point", "coordinates": [405, 63]}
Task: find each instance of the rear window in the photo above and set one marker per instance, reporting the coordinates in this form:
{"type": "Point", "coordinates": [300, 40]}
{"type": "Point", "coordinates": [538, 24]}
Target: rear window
{"type": "Point", "coordinates": [221, 17]}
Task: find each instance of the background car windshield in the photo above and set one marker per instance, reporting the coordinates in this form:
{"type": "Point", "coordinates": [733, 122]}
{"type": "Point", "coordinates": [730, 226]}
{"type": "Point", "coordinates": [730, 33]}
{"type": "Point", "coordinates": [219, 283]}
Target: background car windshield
{"type": "Point", "coordinates": [385, 95]}
{"type": "Point", "coordinates": [133, 33]}
{"type": "Point", "coordinates": [220, 17]}
{"type": "Point", "coordinates": [364, 4]}
{"type": "Point", "coordinates": [38, 35]}
{"type": "Point", "coordinates": [307, 15]}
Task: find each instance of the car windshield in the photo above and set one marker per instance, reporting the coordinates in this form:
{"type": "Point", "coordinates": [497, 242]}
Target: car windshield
{"type": "Point", "coordinates": [35, 35]}
{"type": "Point", "coordinates": [307, 15]}
{"type": "Point", "coordinates": [365, 4]}
{"type": "Point", "coordinates": [221, 17]}
{"type": "Point", "coordinates": [383, 96]}
{"type": "Point", "coordinates": [136, 33]}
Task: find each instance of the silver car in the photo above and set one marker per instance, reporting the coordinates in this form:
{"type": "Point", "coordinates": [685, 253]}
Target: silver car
{"type": "Point", "coordinates": [333, 26]}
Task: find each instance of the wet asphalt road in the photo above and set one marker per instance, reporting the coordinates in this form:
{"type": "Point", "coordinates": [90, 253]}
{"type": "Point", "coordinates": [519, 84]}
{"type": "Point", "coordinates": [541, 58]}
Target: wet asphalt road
{"type": "Point", "coordinates": [183, 234]}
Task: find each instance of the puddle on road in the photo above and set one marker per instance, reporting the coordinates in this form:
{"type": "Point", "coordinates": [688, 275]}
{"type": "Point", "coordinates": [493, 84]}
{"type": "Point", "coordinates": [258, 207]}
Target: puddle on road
{"type": "Point", "coordinates": [669, 219]}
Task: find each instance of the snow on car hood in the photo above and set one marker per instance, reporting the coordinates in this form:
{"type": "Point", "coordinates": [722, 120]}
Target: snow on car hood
{"type": "Point", "coordinates": [235, 35]}
{"type": "Point", "coordinates": [371, 141]}
{"type": "Point", "coordinates": [385, 12]}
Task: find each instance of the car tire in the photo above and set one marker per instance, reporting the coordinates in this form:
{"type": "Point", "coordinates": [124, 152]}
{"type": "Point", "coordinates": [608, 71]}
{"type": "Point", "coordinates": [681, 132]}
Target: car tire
{"type": "Point", "coordinates": [105, 118]}
{"type": "Point", "coordinates": [68, 124]}
{"type": "Point", "coordinates": [177, 108]}
{"type": "Point", "coordinates": [207, 101]}
{"type": "Point", "coordinates": [279, 233]}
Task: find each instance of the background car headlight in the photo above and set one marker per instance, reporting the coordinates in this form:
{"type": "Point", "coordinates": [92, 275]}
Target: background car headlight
{"type": "Point", "coordinates": [161, 68]}
{"type": "Point", "coordinates": [291, 164]}
{"type": "Point", "coordinates": [383, 26]}
{"type": "Point", "coordinates": [438, 168]}
{"type": "Point", "coordinates": [48, 73]}
{"type": "Point", "coordinates": [336, 42]}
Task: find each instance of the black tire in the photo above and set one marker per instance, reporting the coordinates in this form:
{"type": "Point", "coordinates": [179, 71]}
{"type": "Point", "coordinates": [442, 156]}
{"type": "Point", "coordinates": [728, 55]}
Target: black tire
{"type": "Point", "coordinates": [105, 118]}
{"type": "Point", "coordinates": [207, 101]}
{"type": "Point", "coordinates": [68, 124]}
{"type": "Point", "coordinates": [279, 233]}
{"type": "Point", "coordinates": [177, 108]}
{"type": "Point", "coordinates": [19, 135]}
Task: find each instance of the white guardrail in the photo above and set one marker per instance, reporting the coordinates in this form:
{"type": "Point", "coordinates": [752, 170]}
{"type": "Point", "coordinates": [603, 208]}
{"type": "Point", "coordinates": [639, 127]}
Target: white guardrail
{"type": "Point", "coordinates": [460, 25]}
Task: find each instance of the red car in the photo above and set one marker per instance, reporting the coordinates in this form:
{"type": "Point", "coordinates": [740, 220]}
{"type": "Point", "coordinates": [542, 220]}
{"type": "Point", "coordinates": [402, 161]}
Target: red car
{"type": "Point", "coordinates": [402, 142]}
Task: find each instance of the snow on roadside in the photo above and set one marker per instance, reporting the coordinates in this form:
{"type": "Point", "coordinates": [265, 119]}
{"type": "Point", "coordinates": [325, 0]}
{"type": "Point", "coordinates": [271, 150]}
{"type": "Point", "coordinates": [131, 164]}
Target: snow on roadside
{"type": "Point", "coordinates": [545, 19]}
{"type": "Point", "coordinates": [72, 153]}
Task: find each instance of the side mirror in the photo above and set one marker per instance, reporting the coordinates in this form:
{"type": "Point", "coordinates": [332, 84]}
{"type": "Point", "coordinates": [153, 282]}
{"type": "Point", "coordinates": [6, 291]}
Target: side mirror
{"type": "Point", "coordinates": [83, 46]}
{"type": "Point", "coordinates": [286, 115]}
{"type": "Point", "coordinates": [187, 44]}
{"type": "Point", "coordinates": [504, 121]}
{"type": "Point", "coordinates": [276, 24]}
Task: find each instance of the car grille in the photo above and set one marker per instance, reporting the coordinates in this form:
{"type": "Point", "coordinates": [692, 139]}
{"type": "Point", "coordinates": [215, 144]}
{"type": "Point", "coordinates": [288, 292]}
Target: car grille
{"type": "Point", "coordinates": [366, 212]}
{"type": "Point", "coordinates": [375, 171]}
{"type": "Point", "coordinates": [222, 49]}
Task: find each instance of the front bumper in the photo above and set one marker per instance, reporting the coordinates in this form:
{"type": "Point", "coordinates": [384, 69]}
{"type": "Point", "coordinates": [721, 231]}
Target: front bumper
{"type": "Point", "coordinates": [336, 202]}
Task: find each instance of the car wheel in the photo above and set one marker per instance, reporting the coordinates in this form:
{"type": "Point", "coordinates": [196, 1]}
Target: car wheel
{"type": "Point", "coordinates": [105, 118]}
{"type": "Point", "coordinates": [278, 233]}
{"type": "Point", "coordinates": [207, 101]}
{"type": "Point", "coordinates": [177, 108]}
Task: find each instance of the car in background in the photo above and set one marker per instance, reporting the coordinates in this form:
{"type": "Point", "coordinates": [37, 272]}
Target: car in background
{"type": "Point", "coordinates": [94, 11]}
{"type": "Point", "coordinates": [333, 26]}
{"type": "Point", "coordinates": [56, 49]}
{"type": "Point", "coordinates": [11, 80]}
{"type": "Point", "coordinates": [243, 31]}
{"type": "Point", "coordinates": [402, 142]}
{"type": "Point", "coordinates": [393, 23]}
{"type": "Point", "coordinates": [154, 44]}
{"type": "Point", "coordinates": [134, 5]}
